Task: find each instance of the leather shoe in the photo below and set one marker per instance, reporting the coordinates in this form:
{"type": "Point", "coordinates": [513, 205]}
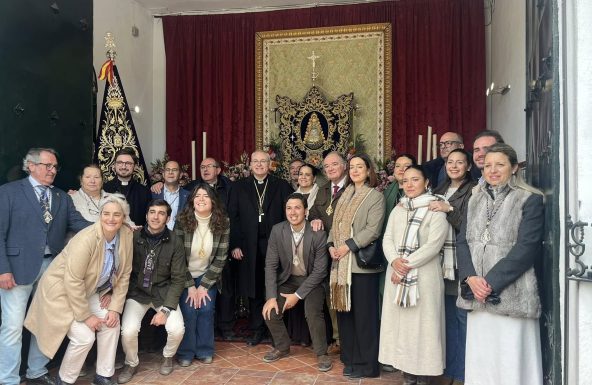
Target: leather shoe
{"type": "Point", "coordinates": [325, 363]}
{"type": "Point", "coordinates": [256, 338]}
{"type": "Point", "coordinates": [388, 368]}
{"type": "Point", "coordinates": [101, 380]}
{"type": "Point", "coordinates": [334, 348]}
{"type": "Point", "coordinates": [126, 374]}
{"type": "Point", "coordinates": [41, 380]}
{"type": "Point", "coordinates": [347, 371]}
{"type": "Point", "coordinates": [59, 381]}
{"type": "Point", "coordinates": [184, 362]}
{"type": "Point", "coordinates": [206, 360]}
{"type": "Point", "coordinates": [274, 355]}
{"type": "Point", "coordinates": [166, 367]}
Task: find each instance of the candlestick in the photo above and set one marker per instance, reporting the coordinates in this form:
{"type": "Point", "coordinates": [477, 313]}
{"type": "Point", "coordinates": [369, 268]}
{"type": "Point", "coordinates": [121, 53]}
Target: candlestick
{"type": "Point", "coordinates": [193, 160]}
{"type": "Point", "coordinates": [435, 146]}
{"type": "Point", "coordinates": [429, 144]}
{"type": "Point", "coordinates": [204, 142]}
{"type": "Point", "coordinates": [419, 148]}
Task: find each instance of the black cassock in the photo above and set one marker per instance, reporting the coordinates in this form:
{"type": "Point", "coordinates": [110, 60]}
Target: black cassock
{"type": "Point", "coordinates": [250, 235]}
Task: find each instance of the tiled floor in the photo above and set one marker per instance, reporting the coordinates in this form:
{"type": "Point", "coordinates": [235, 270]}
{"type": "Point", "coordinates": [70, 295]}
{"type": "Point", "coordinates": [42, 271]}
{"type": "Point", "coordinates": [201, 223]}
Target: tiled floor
{"type": "Point", "coordinates": [238, 364]}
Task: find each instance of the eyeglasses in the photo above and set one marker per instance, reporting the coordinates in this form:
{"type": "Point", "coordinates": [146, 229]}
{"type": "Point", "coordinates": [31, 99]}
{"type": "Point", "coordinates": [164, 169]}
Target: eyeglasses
{"type": "Point", "coordinates": [334, 164]}
{"type": "Point", "coordinates": [448, 143]}
{"type": "Point", "coordinates": [171, 169]}
{"type": "Point", "coordinates": [259, 161]}
{"type": "Point", "coordinates": [126, 164]}
{"type": "Point", "coordinates": [207, 166]}
{"type": "Point", "coordinates": [49, 166]}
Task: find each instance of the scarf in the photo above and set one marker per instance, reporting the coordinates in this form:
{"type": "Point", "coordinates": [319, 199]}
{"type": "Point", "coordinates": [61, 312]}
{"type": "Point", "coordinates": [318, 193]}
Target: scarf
{"type": "Point", "coordinates": [407, 291]}
{"type": "Point", "coordinates": [343, 219]}
{"type": "Point", "coordinates": [312, 195]}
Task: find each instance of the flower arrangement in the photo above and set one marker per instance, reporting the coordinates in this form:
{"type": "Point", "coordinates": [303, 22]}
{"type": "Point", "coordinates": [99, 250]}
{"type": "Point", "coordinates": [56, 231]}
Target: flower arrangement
{"type": "Point", "coordinates": [237, 170]}
{"type": "Point", "coordinates": [157, 171]}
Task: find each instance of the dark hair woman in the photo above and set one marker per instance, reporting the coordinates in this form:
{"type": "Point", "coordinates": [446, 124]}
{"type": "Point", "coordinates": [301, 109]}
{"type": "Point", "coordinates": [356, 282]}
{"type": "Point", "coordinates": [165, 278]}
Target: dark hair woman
{"type": "Point", "coordinates": [456, 188]}
{"type": "Point", "coordinates": [496, 249]}
{"type": "Point", "coordinates": [204, 227]}
{"type": "Point", "coordinates": [411, 337]}
{"type": "Point", "coordinates": [357, 222]}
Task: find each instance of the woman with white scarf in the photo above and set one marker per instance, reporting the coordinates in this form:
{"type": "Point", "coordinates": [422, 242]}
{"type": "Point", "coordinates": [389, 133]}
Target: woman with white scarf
{"type": "Point", "coordinates": [412, 337]}
{"type": "Point", "coordinates": [307, 186]}
{"type": "Point", "coordinates": [357, 222]}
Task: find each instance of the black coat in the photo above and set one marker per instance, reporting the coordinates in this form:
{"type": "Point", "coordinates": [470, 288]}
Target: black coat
{"type": "Point", "coordinates": [222, 187]}
{"type": "Point", "coordinates": [137, 195]}
{"type": "Point", "coordinates": [243, 211]}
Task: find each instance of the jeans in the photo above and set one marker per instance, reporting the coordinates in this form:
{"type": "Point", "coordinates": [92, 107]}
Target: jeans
{"type": "Point", "coordinates": [13, 303]}
{"type": "Point", "coordinates": [456, 338]}
{"type": "Point", "coordinates": [198, 340]}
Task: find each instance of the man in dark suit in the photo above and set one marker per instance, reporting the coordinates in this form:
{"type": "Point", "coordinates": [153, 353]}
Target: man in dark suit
{"type": "Point", "coordinates": [321, 215]}
{"type": "Point", "coordinates": [137, 195]}
{"type": "Point", "coordinates": [34, 219]}
{"type": "Point", "coordinates": [172, 193]}
{"type": "Point", "coordinates": [295, 269]}
{"type": "Point", "coordinates": [256, 204]}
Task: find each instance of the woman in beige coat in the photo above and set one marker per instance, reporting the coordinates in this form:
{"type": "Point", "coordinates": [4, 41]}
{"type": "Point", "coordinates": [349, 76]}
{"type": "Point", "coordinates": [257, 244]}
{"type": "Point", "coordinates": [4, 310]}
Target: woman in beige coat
{"type": "Point", "coordinates": [412, 327]}
{"type": "Point", "coordinates": [83, 293]}
{"type": "Point", "coordinates": [357, 222]}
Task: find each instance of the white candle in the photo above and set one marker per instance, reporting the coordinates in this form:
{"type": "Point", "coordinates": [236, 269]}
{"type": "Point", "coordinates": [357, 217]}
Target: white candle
{"type": "Point", "coordinates": [204, 141]}
{"type": "Point", "coordinates": [429, 144]}
{"type": "Point", "coordinates": [193, 160]}
{"type": "Point", "coordinates": [435, 146]}
{"type": "Point", "coordinates": [419, 148]}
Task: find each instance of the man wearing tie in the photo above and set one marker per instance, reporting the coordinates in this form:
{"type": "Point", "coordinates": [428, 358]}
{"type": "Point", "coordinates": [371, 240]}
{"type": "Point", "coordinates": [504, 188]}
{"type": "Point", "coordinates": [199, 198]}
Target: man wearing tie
{"type": "Point", "coordinates": [321, 214]}
{"type": "Point", "coordinates": [34, 219]}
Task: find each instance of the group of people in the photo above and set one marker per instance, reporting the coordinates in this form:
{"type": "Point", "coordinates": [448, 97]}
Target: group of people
{"type": "Point", "coordinates": [453, 297]}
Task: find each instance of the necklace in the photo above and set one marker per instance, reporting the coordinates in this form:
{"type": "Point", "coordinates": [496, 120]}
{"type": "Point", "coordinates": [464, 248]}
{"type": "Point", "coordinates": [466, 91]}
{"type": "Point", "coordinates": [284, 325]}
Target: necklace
{"type": "Point", "coordinates": [202, 236]}
{"type": "Point", "coordinates": [91, 205]}
{"type": "Point", "coordinates": [295, 244]}
{"type": "Point", "coordinates": [260, 197]}
{"type": "Point", "coordinates": [491, 211]}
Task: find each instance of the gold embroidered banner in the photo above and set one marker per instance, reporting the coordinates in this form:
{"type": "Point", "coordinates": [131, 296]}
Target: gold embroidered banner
{"type": "Point", "coordinates": [350, 59]}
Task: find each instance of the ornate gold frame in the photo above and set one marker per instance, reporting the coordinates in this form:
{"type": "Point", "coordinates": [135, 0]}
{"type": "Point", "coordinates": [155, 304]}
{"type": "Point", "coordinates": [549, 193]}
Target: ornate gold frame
{"type": "Point", "coordinates": [375, 37]}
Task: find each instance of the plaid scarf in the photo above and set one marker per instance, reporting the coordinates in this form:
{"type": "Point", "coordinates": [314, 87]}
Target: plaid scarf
{"type": "Point", "coordinates": [407, 291]}
{"type": "Point", "coordinates": [343, 219]}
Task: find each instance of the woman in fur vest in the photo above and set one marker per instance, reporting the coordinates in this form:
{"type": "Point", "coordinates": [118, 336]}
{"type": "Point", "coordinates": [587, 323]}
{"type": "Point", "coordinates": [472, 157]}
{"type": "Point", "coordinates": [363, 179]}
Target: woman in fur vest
{"type": "Point", "coordinates": [496, 249]}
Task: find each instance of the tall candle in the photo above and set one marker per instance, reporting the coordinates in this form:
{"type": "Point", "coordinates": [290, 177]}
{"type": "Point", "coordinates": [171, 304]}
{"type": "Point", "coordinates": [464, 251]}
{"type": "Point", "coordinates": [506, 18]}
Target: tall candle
{"type": "Point", "coordinates": [429, 144]}
{"type": "Point", "coordinates": [193, 160]}
{"type": "Point", "coordinates": [204, 141]}
{"type": "Point", "coordinates": [435, 146]}
{"type": "Point", "coordinates": [419, 148]}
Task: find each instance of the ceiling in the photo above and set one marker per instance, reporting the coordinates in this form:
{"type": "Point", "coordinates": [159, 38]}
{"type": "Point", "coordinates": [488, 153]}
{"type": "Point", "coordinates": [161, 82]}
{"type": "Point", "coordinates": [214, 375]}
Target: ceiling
{"type": "Point", "coordinates": [167, 7]}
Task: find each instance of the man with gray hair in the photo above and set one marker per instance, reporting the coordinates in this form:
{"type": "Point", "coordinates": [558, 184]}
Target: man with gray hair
{"type": "Point", "coordinates": [34, 219]}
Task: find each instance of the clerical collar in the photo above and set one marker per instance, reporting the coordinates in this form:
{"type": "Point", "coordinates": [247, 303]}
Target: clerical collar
{"type": "Point", "coordinates": [123, 182]}
{"type": "Point", "coordinates": [262, 180]}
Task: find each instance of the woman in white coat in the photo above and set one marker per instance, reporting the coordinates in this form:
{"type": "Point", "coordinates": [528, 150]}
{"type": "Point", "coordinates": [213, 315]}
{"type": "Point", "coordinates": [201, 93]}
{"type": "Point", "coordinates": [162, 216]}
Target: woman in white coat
{"type": "Point", "coordinates": [412, 335]}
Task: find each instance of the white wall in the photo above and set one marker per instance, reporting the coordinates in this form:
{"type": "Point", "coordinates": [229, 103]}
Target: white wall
{"type": "Point", "coordinates": [136, 64]}
{"type": "Point", "coordinates": [579, 120]}
{"type": "Point", "coordinates": [506, 64]}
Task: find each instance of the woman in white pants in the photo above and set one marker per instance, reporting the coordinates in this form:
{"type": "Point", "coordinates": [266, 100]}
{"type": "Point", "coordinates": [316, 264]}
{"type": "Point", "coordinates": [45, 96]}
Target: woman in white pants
{"type": "Point", "coordinates": [82, 294]}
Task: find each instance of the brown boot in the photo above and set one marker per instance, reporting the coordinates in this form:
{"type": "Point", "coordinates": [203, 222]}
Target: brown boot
{"type": "Point", "coordinates": [126, 374]}
{"type": "Point", "coordinates": [167, 366]}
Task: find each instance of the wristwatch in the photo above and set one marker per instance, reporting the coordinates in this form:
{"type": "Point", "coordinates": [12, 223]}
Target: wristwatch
{"type": "Point", "coordinates": [451, 209]}
{"type": "Point", "coordinates": [166, 311]}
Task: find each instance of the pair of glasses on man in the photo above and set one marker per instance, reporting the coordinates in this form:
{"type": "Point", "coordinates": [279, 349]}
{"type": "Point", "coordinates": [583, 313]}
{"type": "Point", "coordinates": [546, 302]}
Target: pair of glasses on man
{"type": "Point", "coordinates": [448, 143]}
{"type": "Point", "coordinates": [49, 166]}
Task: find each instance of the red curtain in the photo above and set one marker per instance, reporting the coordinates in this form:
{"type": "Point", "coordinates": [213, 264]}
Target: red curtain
{"type": "Point", "coordinates": [438, 71]}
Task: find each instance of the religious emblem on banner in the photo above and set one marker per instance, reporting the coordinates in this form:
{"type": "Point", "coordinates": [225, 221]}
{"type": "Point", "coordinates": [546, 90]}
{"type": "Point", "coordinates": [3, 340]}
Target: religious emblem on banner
{"type": "Point", "coordinates": [116, 126]}
{"type": "Point", "coordinates": [314, 126]}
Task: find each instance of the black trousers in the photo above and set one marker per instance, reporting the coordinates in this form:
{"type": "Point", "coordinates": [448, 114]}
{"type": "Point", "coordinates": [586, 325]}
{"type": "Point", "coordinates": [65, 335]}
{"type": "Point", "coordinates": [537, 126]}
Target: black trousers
{"type": "Point", "coordinates": [359, 328]}
{"type": "Point", "coordinates": [256, 303]}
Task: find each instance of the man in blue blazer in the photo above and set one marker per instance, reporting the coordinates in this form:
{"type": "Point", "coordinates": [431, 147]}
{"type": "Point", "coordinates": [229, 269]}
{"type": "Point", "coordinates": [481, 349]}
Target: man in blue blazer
{"type": "Point", "coordinates": [172, 192]}
{"type": "Point", "coordinates": [34, 219]}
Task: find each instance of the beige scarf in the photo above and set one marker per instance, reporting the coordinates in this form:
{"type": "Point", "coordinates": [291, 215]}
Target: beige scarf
{"type": "Point", "coordinates": [343, 219]}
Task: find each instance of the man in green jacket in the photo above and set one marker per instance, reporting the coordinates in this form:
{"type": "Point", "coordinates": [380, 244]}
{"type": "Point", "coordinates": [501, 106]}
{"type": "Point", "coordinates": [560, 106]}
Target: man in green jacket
{"type": "Point", "coordinates": [159, 275]}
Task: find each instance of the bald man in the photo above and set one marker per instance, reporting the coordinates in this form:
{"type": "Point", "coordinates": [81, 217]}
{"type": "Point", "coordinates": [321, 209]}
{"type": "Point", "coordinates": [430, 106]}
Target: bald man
{"type": "Point", "coordinates": [256, 204]}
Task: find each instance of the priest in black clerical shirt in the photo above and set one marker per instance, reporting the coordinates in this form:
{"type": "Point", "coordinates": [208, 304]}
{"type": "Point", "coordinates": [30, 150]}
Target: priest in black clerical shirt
{"type": "Point", "coordinates": [256, 204]}
{"type": "Point", "coordinates": [137, 195]}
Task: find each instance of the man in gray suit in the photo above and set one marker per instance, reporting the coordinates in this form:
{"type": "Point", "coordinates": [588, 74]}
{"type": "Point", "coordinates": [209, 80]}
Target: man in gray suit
{"type": "Point", "coordinates": [34, 219]}
{"type": "Point", "coordinates": [295, 269]}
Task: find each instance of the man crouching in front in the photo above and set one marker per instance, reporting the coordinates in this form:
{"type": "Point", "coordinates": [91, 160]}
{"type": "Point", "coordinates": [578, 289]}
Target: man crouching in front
{"type": "Point", "coordinates": [295, 269]}
{"type": "Point", "coordinates": [159, 275]}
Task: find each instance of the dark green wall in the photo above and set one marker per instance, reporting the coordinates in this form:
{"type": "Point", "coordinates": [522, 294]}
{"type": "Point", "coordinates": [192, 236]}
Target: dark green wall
{"type": "Point", "coordinates": [46, 84]}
